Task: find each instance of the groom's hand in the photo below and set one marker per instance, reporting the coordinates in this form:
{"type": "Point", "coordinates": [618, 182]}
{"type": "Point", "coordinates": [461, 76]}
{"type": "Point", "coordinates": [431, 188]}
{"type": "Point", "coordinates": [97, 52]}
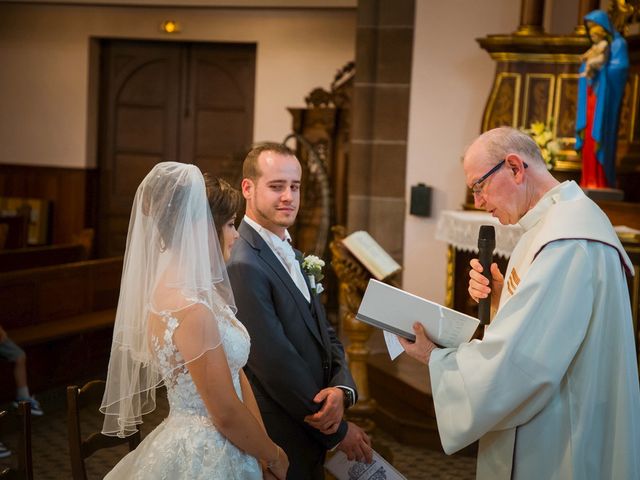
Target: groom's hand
{"type": "Point", "coordinates": [328, 418]}
{"type": "Point", "coordinates": [356, 444]}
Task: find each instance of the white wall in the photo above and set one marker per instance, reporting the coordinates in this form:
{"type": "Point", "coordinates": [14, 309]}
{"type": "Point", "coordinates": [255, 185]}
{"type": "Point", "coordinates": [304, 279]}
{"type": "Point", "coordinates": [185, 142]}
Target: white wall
{"type": "Point", "coordinates": [45, 116]}
{"type": "Point", "coordinates": [450, 84]}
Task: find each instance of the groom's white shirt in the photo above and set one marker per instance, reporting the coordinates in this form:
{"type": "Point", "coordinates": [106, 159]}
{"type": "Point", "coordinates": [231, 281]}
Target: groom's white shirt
{"type": "Point", "coordinates": [282, 248]}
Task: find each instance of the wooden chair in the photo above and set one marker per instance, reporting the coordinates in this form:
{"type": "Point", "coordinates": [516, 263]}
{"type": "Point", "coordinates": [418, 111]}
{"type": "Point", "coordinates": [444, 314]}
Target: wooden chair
{"type": "Point", "coordinates": [25, 459]}
{"type": "Point", "coordinates": [77, 399]}
{"type": "Point", "coordinates": [4, 471]}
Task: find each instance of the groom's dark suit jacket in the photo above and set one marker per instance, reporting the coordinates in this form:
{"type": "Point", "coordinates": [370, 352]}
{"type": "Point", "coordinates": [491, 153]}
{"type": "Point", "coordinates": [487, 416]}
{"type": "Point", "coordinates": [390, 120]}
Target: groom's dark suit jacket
{"type": "Point", "coordinates": [294, 352]}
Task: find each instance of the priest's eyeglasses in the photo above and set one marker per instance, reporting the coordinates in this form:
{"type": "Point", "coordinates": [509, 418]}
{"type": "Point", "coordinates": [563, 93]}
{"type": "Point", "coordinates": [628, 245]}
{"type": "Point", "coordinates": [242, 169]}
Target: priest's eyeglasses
{"type": "Point", "coordinates": [478, 186]}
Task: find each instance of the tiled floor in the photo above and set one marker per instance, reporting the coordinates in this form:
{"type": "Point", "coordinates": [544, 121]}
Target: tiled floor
{"type": "Point", "coordinates": [51, 457]}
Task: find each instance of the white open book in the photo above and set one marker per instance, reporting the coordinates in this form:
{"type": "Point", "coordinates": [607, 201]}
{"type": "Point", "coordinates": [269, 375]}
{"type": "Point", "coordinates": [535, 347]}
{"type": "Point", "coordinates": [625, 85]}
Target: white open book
{"type": "Point", "coordinates": [369, 252]}
{"type": "Point", "coordinates": [344, 469]}
{"type": "Point", "coordinates": [395, 311]}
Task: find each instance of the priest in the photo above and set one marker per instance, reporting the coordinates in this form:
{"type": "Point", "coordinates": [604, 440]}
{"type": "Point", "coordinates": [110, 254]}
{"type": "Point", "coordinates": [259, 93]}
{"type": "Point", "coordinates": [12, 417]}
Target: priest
{"type": "Point", "coordinates": [551, 391]}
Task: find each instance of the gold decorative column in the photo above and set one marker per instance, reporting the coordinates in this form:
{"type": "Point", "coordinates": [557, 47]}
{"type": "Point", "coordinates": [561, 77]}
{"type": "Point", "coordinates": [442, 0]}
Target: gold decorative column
{"type": "Point", "coordinates": [353, 280]}
{"type": "Point", "coordinates": [584, 7]}
{"type": "Point", "coordinates": [531, 16]}
{"type": "Point", "coordinates": [451, 268]}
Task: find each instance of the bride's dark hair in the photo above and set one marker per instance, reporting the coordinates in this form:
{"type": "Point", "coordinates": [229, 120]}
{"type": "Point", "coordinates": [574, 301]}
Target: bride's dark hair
{"type": "Point", "coordinates": [224, 201]}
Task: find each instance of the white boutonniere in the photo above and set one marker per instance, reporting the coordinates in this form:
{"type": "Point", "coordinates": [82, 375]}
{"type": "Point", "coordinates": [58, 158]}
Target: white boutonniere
{"type": "Point", "coordinates": [312, 267]}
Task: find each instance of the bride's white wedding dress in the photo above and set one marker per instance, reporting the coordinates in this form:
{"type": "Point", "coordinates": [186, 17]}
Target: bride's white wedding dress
{"type": "Point", "coordinates": [186, 445]}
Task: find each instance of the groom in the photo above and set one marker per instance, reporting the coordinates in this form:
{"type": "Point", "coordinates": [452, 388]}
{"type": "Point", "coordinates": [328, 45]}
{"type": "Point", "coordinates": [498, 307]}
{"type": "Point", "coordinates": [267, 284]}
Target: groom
{"type": "Point", "coordinates": [297, 366]}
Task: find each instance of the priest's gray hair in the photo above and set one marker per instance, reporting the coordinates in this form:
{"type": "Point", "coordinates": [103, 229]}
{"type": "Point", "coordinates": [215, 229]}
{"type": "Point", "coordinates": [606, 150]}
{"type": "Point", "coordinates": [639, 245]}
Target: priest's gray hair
{"type": "Point", "coordinates": [500, 142]}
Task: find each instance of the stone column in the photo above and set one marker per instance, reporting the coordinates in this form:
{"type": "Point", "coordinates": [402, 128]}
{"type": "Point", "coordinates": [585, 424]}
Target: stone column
{"type": "Point", "coordinates": [377, 164]}
{"type": "Point", "coordinates": [378, 155]}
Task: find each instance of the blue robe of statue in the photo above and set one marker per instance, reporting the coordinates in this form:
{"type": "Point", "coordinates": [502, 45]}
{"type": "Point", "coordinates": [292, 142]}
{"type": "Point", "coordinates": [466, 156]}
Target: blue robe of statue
{"type": "Point", "coordinates": [608, 85]}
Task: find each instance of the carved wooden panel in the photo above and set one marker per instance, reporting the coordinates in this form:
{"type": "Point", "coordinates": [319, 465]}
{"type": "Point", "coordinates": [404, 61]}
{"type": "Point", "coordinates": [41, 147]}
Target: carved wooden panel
{"type": "Point", "coordinates": [564, 115]}
{"type": "Point", "coordinates": [504, 102]}
{"type": "Point", "coordinates": [538, 98]}
{"type": "Point", "coordinates": [70, 191]}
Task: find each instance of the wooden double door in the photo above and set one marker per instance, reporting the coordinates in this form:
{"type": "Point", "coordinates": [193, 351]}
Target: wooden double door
{"type": "Point", "coordinates": [168, 101]}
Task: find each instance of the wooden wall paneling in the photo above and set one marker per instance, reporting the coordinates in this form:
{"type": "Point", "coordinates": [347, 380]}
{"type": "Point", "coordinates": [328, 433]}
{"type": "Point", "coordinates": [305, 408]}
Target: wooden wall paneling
{"type": "Point", "coordinates": [67, 189]}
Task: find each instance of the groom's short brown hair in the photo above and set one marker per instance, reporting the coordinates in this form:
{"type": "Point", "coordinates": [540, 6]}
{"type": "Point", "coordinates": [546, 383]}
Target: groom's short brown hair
{"type": "Point", "coordinates": [250, 167]}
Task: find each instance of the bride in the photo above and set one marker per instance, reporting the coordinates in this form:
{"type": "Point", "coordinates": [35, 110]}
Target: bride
{"type": "Point", "coordinates": [175, 325]}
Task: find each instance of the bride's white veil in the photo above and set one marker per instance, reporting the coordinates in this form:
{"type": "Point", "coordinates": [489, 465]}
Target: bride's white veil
{"type": "Point", "coordinates": [172, 261]}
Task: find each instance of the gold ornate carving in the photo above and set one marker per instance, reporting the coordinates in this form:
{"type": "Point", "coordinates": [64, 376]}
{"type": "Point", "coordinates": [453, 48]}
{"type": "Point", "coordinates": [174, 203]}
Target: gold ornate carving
{"type": "Point", "coordinates": [623, 13]}
{"type": "Point", "coordinates": [535, 57]}
{"type": "Point", "coordinates": [538, 98]}
{"type": "Point", "coordinates": [529, 30]}
{"type": "Point", "coordinates": [504, 102]}
{"type": "Point", "coordinates": [451, 269]}
{"type": "Point", "coordinates": [353, 280]}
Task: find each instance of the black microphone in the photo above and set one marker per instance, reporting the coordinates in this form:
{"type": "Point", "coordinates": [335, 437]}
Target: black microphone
{"type": "Point", "coordinates": [486, 245]}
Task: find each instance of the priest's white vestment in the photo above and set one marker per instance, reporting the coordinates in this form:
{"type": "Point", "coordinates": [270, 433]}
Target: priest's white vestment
{"type": "Point", "coordinates": [552, 389]}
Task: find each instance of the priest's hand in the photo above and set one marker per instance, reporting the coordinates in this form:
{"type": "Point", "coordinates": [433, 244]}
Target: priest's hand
{"type": "Point", "coordinates": [356, 444]}
{"type": "Point", "coordinates": [328, 418]}
{"type": "Point", "coordinates": [420, 349]}
{"type": "Point", "coordinates": [479, 284]}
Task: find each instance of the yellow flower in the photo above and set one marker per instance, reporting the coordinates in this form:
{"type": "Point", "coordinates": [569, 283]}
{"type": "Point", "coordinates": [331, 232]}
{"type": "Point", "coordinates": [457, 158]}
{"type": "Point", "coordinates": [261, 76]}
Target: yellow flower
{"type": "Point", "coordinates": [537, 128]}
{"type": "Point", "coordinates": [543, 136]}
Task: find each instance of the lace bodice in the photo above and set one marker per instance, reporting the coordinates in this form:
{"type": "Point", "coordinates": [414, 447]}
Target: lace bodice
{"type": "Point", "coordinates": [181, 391]}
{"type": "Point", "coordinates": [187, 445]}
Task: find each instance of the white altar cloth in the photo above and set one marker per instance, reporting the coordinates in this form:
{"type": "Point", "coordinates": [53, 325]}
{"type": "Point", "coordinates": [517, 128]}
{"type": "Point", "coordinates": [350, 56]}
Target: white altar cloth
{"type": "Point", "coordinates": [460, 228]}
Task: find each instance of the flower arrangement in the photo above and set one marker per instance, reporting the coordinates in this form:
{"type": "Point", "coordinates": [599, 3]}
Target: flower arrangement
{"type": "Point", "coordinates": [543, 136]}
{"type": "Point", "coordinates": [312, 267]}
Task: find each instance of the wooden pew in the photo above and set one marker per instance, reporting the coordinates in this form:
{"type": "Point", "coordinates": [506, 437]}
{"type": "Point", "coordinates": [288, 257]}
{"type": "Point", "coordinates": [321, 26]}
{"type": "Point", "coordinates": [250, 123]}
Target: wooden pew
{"type": "Point", "coordinates": [34, 257]}
{"type": "Point", "coordinates": [62, 316]}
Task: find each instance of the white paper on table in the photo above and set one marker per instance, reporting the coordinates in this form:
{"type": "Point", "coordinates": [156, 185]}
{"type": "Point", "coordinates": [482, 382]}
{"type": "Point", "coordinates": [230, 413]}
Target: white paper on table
{"type": "Point", "coordinates": [344, 469]}
{"type": "Point", "coordinates": [395, 310]}
{"type": "Point", "coordinates": [394, 347]}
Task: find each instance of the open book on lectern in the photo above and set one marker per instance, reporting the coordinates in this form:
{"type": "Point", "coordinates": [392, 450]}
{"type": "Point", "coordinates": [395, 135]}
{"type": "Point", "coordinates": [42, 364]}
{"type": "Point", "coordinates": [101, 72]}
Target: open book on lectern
{"type": "Point", "coordinates": [395, 310]}
{"type": "Point", "coordinates": [369, 252]}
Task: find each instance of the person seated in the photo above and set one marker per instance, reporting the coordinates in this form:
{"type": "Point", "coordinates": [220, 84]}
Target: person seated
{"type": "Point", "coordinates": [12, 353]}
{"type": "Point", "coordinates": [4, 451]}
